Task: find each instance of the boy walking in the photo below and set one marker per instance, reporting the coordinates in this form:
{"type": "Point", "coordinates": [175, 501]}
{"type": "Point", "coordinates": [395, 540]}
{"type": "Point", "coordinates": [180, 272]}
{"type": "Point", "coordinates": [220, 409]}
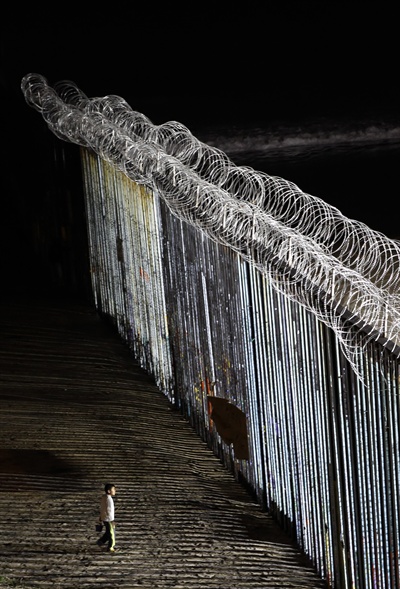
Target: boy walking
{"type": "Point", "coordinates": [107, 517]}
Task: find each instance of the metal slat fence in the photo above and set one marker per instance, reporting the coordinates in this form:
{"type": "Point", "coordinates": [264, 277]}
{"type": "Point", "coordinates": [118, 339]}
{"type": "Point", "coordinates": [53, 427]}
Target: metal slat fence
{"type": "Point", "coordinates": [324, 446]}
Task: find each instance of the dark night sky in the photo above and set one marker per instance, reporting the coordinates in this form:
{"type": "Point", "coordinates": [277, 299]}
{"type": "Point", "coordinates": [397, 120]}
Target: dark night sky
{"type": "Point", "coordinates": [286, 59]}
{"type": "Point", "coordinates": [256, 62]}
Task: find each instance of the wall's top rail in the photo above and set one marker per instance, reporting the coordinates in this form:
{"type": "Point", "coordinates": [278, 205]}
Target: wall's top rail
{"type": "Point", "coordinates": [339, 269]}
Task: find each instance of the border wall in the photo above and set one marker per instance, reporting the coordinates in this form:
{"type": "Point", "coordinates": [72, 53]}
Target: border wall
{"type": "Point", "coordinates": [267, 317]}
{"type": "Point", "coordinates": [323, 445]}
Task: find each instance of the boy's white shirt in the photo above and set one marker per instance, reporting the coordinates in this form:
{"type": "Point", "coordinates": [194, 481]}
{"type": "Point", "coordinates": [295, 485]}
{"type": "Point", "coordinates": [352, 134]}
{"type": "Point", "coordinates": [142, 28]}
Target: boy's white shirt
{"type": "Point", "coordinates": [107, 508]}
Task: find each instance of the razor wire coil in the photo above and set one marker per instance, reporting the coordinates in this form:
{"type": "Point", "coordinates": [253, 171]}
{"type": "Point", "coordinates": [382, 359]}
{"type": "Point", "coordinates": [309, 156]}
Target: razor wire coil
{"type": "Point", "coordinates": [339, 269]}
